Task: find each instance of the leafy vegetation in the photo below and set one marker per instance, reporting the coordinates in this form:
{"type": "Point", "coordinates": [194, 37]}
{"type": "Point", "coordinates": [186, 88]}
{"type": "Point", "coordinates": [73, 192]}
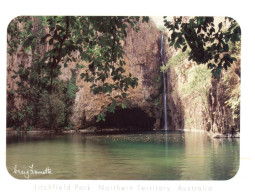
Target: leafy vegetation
{"type": "Point", "coordinates": [197, 86]}
{"type": "Point", "coordinates": [95, 46]}
{"type": "Point", "coordinates": [52, 111]}
{"type": "Point", "coordinates": [232, 83]}
{"type": "Point", "coordinates": [208, 44]}
{"type": "Point", "coordinates": [97, 41]}
{"type": "Point", "coordinates": [177, 61]}
{"type": "Point", "coordinates": [196, 80]}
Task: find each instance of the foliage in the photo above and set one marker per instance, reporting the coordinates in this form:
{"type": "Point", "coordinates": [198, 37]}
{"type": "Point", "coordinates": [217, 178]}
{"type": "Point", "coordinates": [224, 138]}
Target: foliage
{"type": "Point", "coordinates": [234, 101]}
{"type": "Point", "coordinates": [20, 119]}
{"type": "Point", "coordinates": [156, 102]}
{"type": "Point", "coordinates": [95, 40]}
{"type": "Point", "coordinates": [208, 44]}
{"type": "Point", "coordinates": [71, 88]}
{"type": "Point", "coordinates": [235, 49]}
{"type": "Point", "coordinates": [15, 34]}
{"type": "Point", "coordinates": [234, 88]}
{"type": "Point", "coordinates": [177, 60]}
{"type": "Point", "coordinates": [51, 111]}
{"type": "Point", "coordinates": [232, 83]}
{"type": "Point", "coordinates": [43, 110]}
{"type": "Point", "coordinates": [70, 93]}
{"type": "Point", "coordinates": [198, 82]}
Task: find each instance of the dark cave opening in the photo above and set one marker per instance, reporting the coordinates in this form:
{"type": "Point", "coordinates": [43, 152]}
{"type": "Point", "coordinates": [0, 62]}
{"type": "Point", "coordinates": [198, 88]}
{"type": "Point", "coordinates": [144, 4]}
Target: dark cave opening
{"type": "Point", "coordinates": [130, 119]}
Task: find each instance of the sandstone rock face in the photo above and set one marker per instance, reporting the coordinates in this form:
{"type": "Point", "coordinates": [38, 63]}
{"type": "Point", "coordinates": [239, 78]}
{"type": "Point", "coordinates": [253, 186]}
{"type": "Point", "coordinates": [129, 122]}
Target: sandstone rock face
{"type": "Point", "coordinates": [210, 113]}
{"type": "Point", "coordinates": [142, 61]}
{"type": "Point", "coordinates": [184, 112]}
{"type": "Point", "coordinates": [223, 120]}
{"type": "Point", "coordinates": [142, 57]}
{"type": "Point", "coordinates": [20, 57]}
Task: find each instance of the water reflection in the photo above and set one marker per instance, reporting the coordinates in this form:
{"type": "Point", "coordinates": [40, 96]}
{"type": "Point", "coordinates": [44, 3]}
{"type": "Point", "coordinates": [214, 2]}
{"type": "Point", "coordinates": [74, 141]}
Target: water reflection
{"type": "Point", "coordinates": [197, 154]}
{"type": "Point", "coordinates": [225, 158]}
{"type": "Point", "coordinates": [151, 155]}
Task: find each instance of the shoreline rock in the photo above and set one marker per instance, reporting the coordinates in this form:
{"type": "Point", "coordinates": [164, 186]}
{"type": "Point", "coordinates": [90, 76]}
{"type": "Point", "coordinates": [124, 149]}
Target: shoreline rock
{"type": "Point", "coordinates": [229, 135]}
{"type": "Point", "coordinates": [12, 132]}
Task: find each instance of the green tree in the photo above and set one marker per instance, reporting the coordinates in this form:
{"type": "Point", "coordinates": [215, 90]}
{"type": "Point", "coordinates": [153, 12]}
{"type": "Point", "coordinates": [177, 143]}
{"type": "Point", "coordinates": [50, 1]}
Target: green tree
{"type": "Point", "coordinates": [208, 44]}
{"type": "Point", "coordinates": [52, 111]}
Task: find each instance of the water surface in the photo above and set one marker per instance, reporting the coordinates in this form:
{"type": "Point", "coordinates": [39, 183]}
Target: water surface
{"type": "Point", "coordinates": [177, 155]}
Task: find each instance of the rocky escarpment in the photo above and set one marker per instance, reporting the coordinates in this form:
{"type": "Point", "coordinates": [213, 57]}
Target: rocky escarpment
{"type": "Point", "coordinates": [224, 103]}
{"type": "Point", "coordinates": [142, 61]}
{"type": "Point", "coordinates": [198, 101]}
{"type": "Point", "coordinates": [194, 99]}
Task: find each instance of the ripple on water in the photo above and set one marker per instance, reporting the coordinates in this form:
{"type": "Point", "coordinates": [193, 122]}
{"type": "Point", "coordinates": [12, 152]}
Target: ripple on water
{"type": "Point", "coordinates": [152, 155]}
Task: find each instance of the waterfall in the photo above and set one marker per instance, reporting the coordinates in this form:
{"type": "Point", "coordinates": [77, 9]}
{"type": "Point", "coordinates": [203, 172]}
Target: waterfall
{"type": "Point", "coordinates": [164, 82]}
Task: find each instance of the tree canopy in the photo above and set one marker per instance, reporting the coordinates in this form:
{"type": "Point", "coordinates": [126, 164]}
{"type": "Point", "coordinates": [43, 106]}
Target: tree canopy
{"type": "Point", "coordinates": [209, 44]}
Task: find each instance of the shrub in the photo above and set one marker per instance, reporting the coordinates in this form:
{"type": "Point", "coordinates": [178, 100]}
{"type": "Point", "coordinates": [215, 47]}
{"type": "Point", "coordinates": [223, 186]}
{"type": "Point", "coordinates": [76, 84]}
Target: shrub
{"type": "Point", "coordinates": [51, 111]}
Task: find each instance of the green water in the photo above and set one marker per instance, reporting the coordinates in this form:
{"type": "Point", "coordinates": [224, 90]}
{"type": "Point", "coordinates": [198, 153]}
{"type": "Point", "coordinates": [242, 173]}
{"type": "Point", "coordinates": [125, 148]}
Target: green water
{"type": "Point", "coordinates": [178, 155]}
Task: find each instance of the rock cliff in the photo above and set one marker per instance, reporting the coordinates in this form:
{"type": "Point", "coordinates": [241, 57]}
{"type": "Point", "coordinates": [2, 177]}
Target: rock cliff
{"type": "Point", "coordinates": [198, 101]}
{"type": "Point", "coordinates": [194, 99]}
{"type": "Point", "coordinates": [142, 61]}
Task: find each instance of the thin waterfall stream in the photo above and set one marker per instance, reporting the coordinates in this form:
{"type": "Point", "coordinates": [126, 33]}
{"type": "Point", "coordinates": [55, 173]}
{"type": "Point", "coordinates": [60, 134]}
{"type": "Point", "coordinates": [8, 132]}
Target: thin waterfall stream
{"type": "Point", "coordinates": [164, 98]}
{"type": "Point", "coordinates": [164, 82]}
